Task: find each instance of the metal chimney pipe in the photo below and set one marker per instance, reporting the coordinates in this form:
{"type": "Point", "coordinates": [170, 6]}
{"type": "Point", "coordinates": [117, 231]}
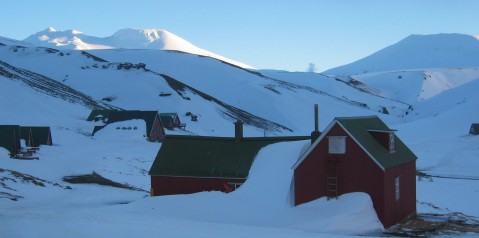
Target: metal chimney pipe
{"type": "Point", "coordinates": [315, 134]}
{"type": "Point", "coordinates": [238, 131]}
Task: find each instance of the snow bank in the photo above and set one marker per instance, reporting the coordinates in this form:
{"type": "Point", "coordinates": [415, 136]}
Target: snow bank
{"type": "Point", "coordinates": [123, 131]}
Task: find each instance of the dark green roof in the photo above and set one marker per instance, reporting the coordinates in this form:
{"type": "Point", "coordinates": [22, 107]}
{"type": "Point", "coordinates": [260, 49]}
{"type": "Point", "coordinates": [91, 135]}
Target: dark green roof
{"type": "Point", "coordinates": [10, 138]}
{"type": "Point", "coordinates": [167, 118]}
{"type": "Point", "coordinates": [359, 127]}
{"type": "Point", "coordinates": [212, 157]}
{"type": "Point", "coordinates": [99, 114]}
{"type": "Point", "coordinates": [35, 136]}
{"type": "Point", "coordinates": [26, 134]}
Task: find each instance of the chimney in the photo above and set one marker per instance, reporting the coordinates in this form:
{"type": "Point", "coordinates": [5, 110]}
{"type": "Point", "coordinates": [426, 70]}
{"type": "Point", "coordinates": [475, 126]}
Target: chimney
{"type": "Point", "coordinates": [238, 131]}
{"type": "Point", "coordinates": [315, 134]}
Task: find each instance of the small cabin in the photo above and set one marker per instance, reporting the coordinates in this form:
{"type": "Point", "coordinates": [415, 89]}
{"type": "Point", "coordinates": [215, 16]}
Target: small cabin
{"type": "Point", "coordinates": [35, 136]}
{"type": "Point", "coordinates": [360, 154]}
{"type": "Point", "coordinates": [154, 127]}
{"type": "Point", "coordinates": [171, 120]}
{"type": "Point", "coordinates": [191, 164]}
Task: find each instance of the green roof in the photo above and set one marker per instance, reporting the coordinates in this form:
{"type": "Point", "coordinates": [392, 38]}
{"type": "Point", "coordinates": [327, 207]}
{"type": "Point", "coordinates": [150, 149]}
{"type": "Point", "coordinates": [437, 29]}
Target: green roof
{"type": "Point", "coordinates": [39, 135]}
{"type": "Point", "coordinates": [210, 157]}
{"type": "Point", "coordinates": [167, 118]}
{"type": "Point", "coordinates": [10, 138]}
{"type": "Point", "coordinates": [359, 127]}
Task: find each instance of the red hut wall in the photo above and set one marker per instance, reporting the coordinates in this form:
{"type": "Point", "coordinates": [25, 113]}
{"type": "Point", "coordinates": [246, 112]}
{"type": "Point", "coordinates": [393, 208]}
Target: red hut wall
{"type": "Point", "coordinates": [396, 211]}
{"type": "Point", "coordinates": [157, 132]}
{"type": "Point", "coordinates": [357, 172]}
{"type": "Point", "coordinates": [165, 185]}
{"type": "Point", "coordinates": [310, 177]}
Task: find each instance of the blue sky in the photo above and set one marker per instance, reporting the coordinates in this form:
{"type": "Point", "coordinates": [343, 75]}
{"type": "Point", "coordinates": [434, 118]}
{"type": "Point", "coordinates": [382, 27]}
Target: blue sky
{"type": "Point", "coordinates": [268, 34]}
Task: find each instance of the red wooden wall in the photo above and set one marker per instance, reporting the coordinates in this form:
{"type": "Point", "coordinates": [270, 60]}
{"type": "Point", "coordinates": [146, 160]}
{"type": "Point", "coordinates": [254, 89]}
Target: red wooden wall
{"type": "Point", "coordinates": [357, 173]}
{"type": "Point", "coordinates": [165, 185]}
{"type": "Point", "coordinates": [157, 132]}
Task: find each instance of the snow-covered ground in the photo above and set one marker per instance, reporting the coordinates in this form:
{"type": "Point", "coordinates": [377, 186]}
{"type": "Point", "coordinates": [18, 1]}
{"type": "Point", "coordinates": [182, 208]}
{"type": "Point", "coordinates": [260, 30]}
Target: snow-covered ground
{"type": "Point", "coordinates": [431, 108]}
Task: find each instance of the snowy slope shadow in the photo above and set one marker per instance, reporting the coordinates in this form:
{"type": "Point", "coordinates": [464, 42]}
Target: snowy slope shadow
{"type": "Point", "coordinates": [95, 178]}
{"type": "Point", "coordinates": [49, 86]}
{"type": "Point", "coordinates": [10, 178]}
{"type": "Point", "coordinates": [229, 112]}
{"type": "Point", "coordinates": [274, 83]}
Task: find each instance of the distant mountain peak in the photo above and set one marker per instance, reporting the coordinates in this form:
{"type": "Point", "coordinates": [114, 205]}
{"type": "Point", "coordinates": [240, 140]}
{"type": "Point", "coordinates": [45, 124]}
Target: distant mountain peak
{"type": "Point", "coordinates": [128, 38]}
{"type": "Point", "coordinates": [445, 50]}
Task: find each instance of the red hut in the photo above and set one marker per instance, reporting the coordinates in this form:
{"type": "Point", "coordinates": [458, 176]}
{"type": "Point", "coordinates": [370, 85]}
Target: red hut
{"type": "Point", "coordinates": [171, 120]}
{"type": "Point", "coordinates": [190, 164]}
{"type": "Point", "coordinates": [360, 154]}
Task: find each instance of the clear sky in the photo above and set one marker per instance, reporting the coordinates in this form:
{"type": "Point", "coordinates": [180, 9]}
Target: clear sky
{"type": "Point", "coordinates": [267, 34]}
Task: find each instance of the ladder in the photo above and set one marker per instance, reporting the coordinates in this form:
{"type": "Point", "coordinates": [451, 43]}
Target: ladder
{"type": "Point", "coordinates": [332, 179]}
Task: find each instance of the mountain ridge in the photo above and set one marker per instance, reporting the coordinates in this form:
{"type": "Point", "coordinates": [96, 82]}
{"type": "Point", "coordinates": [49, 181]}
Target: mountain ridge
{"type": "Point", "coordinates": [127, 38]}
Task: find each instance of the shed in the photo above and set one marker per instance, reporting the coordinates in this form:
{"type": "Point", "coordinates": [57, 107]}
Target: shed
{"type": "Point", "coordinates": [10, 138]}
{"type": "Point", "coordinates": [474, 129]}
{"type": "Point", "coordinates": [35, 136]}
{"type": "Point", "coordinates": [170, 120]}
{"type": "Point", "coordinates": [190, 164]}
{"type": "Point", "coordinates": [360, 154]}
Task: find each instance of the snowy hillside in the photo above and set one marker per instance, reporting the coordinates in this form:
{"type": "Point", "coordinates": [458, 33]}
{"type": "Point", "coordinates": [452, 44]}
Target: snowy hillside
{"type": "Point", "coordinates": [417, 52]}
{"type": "Point", "coordinates": [141, 76]}
{"type": "Point", "coordinates": [155, 39]}
{"type": "Point", "coordinates": [432, 108]}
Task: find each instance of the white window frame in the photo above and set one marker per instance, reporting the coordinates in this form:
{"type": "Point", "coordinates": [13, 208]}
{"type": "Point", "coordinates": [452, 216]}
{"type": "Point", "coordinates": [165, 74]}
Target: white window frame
{"type": "Point", "coordinates": [336, 144]}
{"type": "Point", "coordinates": [392, 147]}
{"type": "Point", "coordinates": [397, 188]}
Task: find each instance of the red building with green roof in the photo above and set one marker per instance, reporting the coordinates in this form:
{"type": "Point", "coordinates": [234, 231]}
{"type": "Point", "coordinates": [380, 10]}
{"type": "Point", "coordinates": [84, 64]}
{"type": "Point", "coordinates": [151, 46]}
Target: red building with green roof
{"type": "Point", "coordinates": [360, 154]}
{"type": "Point", "coordinates": [190, 164]}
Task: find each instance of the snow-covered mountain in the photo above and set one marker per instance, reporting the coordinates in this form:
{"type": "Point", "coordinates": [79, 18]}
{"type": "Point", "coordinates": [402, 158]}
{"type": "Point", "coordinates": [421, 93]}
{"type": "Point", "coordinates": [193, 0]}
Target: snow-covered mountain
{"type": "Point", "coordinates": [432, 108]}
{"type": "Point", "coordinates": [158, 39]}
{"type": "Point", "coordinates": [418, 52]}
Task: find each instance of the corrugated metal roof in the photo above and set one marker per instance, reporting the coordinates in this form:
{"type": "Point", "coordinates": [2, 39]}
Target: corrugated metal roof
{"type": "Point", "coordinates": [212, 157]}
{"type": "Point", "coordinates": [358, 128]}
{"type": "Point", "coordinates": [10, 138]}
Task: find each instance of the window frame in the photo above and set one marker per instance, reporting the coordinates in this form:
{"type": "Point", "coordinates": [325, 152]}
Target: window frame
{"type": "Point", "coordinates": [336, 149]}
{"type": "Point", "coordinates": [397, 188]}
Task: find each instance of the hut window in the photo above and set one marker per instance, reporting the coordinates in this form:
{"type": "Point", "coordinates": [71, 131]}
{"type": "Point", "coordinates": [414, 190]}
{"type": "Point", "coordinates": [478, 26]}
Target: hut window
{"type": "Point", "coordinates": [391, 143]}
{"type": "Point", "coordinates": [397, 187]}
{"type": "Point", "coordinates": [337, 144]}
